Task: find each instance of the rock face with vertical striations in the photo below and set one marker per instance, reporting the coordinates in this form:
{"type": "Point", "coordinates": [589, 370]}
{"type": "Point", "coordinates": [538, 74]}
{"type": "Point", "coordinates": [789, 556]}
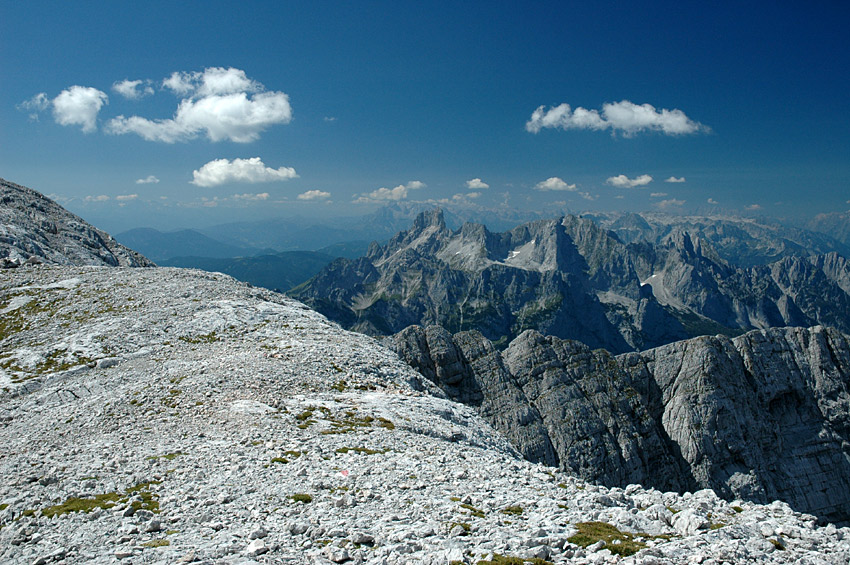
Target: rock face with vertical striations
{"type": "Point", "coordinates": [36, 229]}
{"type": "Point", "coordinates": [760, 417]}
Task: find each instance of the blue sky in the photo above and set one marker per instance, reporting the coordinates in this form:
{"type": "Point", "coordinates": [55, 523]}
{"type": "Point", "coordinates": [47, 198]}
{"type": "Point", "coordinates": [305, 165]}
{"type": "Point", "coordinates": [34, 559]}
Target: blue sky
{"type": "Point", "coordinates": [256, 109]}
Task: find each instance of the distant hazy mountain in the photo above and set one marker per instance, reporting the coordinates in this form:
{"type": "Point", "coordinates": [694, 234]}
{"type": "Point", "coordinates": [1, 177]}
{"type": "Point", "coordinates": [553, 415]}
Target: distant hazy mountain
{"type": "Point", "coordinates": [573, 279]}
{"type": "Point", "coordinates": [160, 246]}
{"type": "Point", "coordinates": [744, 242]}
{"type": "Point", "coordinates": [280, 271]}
{"type": "Point", "coordinates": [836, 225]}
{"type": "Point", "coordinates": [35, 228]}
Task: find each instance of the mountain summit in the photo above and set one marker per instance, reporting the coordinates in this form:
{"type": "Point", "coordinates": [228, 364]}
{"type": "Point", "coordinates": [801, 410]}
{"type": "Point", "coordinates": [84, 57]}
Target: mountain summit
{"type": "Point", "coordinates": [34, 228]}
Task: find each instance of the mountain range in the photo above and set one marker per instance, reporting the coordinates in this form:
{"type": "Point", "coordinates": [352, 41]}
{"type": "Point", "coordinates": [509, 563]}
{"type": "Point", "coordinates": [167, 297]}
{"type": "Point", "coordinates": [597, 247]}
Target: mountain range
{"type": "Point", "coordinates": [571, 278]}
{"type": "Point", "coordinates": [157, 414]}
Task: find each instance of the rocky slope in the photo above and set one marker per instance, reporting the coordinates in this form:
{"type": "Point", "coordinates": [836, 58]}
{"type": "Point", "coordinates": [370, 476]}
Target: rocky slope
{"type": "Point", "coordinates": [573, 279]}
{"type": "Point", "coordinates": [34, 228]}
{"type": "Point", "coordinates": [762, 416]}
{"type": "Point", "coordinates": [166, 415]}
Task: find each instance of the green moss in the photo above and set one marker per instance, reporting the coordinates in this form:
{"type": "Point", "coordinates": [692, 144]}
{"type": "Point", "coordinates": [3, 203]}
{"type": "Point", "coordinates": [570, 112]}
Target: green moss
{"type": "Point", "coordinates": [463, 525]}
{"type": "Point", "coordinates": [777, 544]}
{"type": "Point", "coordinates": [304, 416]}
{"type": "Point", "coordinates": [592, 532]}
{"type": "Point", "coordinates": [737, 509]}
{"type": "Point", "coordinates": [301, 497]}
{"type": "Point", "coordinates": [386, 424]}
{"type": "Point", "coordinates": [3, 507]}
{"type": "Point", "coordinates": [513, 510]}
{"type": "Point", "coordinates": [339, 386]}
{"type": "Point", "coordinates": [280, 460]}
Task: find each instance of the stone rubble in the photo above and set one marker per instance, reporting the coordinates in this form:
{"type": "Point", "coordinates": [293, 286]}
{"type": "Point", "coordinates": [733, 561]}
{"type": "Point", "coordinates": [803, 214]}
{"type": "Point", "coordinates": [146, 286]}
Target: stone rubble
{"type": "Point", "coordinates": [173, 416]}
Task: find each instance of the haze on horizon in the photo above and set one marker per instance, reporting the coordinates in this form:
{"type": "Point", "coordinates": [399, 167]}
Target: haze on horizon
{"type": "Point", "coordinates": [176, 116]}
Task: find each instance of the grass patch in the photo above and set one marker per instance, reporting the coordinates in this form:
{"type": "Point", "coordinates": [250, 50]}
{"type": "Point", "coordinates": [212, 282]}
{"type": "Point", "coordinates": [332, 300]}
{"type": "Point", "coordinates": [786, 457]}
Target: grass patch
{"type": "Point", "coordinates": [361, 450]}
{"type": "Point", "coordinates": [167, 456]}
{"type": "Point", "coordinates": [205, 338]}
{"type": "Point", "coordinates": [463, 525]}
{"type": "Point", "coordinates": [302, 498]}
{"type": "Point", "coordinates": [156, 543]}
{"type": "Point", "coordinates": [512, 510]}
{"type": "Point", "coordinates": [473, 510]}
{"type": "Point", "coordinates": [512, 560]}
{"type": "Point", "coordinates": [617, 542]}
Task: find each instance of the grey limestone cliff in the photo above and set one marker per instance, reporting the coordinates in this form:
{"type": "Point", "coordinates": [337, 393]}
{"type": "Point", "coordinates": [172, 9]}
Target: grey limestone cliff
{"type": "Point", "coordinates": [762, 416]}
{"type": "Point", "coordinates": [36, 229]}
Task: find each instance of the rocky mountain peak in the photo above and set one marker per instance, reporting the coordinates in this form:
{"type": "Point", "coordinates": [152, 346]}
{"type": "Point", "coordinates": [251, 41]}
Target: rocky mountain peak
{"type": "Point", "coordinates": [34, 228]}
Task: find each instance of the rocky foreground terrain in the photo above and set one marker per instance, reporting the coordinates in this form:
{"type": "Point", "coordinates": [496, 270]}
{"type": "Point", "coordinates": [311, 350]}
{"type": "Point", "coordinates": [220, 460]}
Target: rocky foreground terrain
{"type": "Point", "coordinates": [166, 415]}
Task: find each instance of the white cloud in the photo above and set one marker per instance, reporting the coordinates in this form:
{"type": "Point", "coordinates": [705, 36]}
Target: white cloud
{"type": "Point", "coordinates": [150, 179]}
{"type": "Point", "coordinates": [674, 179]}
{"type": "Point", "coordinates": [554, 183]}
{"type": "Point", "coordinates": [624, 117]}
{"type": "Point", "coordinates": [658, 195]}
{"type": "Point", "coordinates": [100, 198]}
{"type": "Point", "coordinates": [221, 171]}
{"type": "Point", "coordinates": [588, 196]}
{"type": "Point", "coordinates": [213, 81]}
{"type": "Point", "coordinates": [75, 106]}
{"type": "Point", "coordinates": [330, 118]}
{"type": "Point", "coordinates": [622, 181]}
{"type": "Point", "coordinates": [754, 207]}
{"type": "Point", "coordinates": [252, 197]}
{"type": "Point", "coordinates": [133, 89]}
{"type": "Point", "coordinates": [396, 193]}
{"type": "Point", "coordinates": [125, 197]}
{"type": "Point", "coordinates": [314, 195]}
{"type": "Point", "coordinates": [217, 105]}
{"type": "Point", "coordinates": [712, 201]}
{"type": "Point", "coordinates": [38, 103]}
{"type": "Point", "coordinates": [671, 203]}
{"type": "Point", "coordinates": [476, 184]}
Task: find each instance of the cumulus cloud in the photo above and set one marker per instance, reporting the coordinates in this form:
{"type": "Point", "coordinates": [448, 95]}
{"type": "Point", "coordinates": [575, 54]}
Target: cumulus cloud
{"type": "Point", "coordinates": [622, 181]}
{"type": "Point", "coordinates": [554, 183]}
{"type": "Point", "coordinates": [658, 195]}
{"type": "Point", "coordinates": [476, 184]}
{"type": "Point", "coordinates": [38, 103]}
{"type": "Point", "coordinates": [251, 197]}
{"type": "Point", "coordinates": [99, 198]}
{"type": "Point", "coordinates": [253, 170]}
{"type": "Point", "coordinates": [712, 201]}
{"type": "Point", "coordinates": [150, 179]}
{"type": "Point", "coordinates": [588, 196]}
{"type": "Point", "coordinates": [219, 103]}
{"type": "Point", "coordinates": [133, 89]}
{"type": "Point", "coordinates": [126, 197]}
{"type": "Point", "coordinates": [399, 192]}
{"type": "Point", "coordinates": [622, 117]}
{"type": "Point", "coordinates": [671, 203]}
{"type": "Point", "coordinates": [75, 106]}
{"type": "Point", "coordinates": [314, 195]}
{"type": "Point", "coordinates": [674, 179]}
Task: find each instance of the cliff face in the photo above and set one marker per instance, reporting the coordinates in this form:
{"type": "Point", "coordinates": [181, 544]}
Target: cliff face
{"type": "Point", "coordinates": [36, 229]}
{"type": "Point", "coordinates": [573, 279]}
{"type": "Point", "coordinates": [762, 416]}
